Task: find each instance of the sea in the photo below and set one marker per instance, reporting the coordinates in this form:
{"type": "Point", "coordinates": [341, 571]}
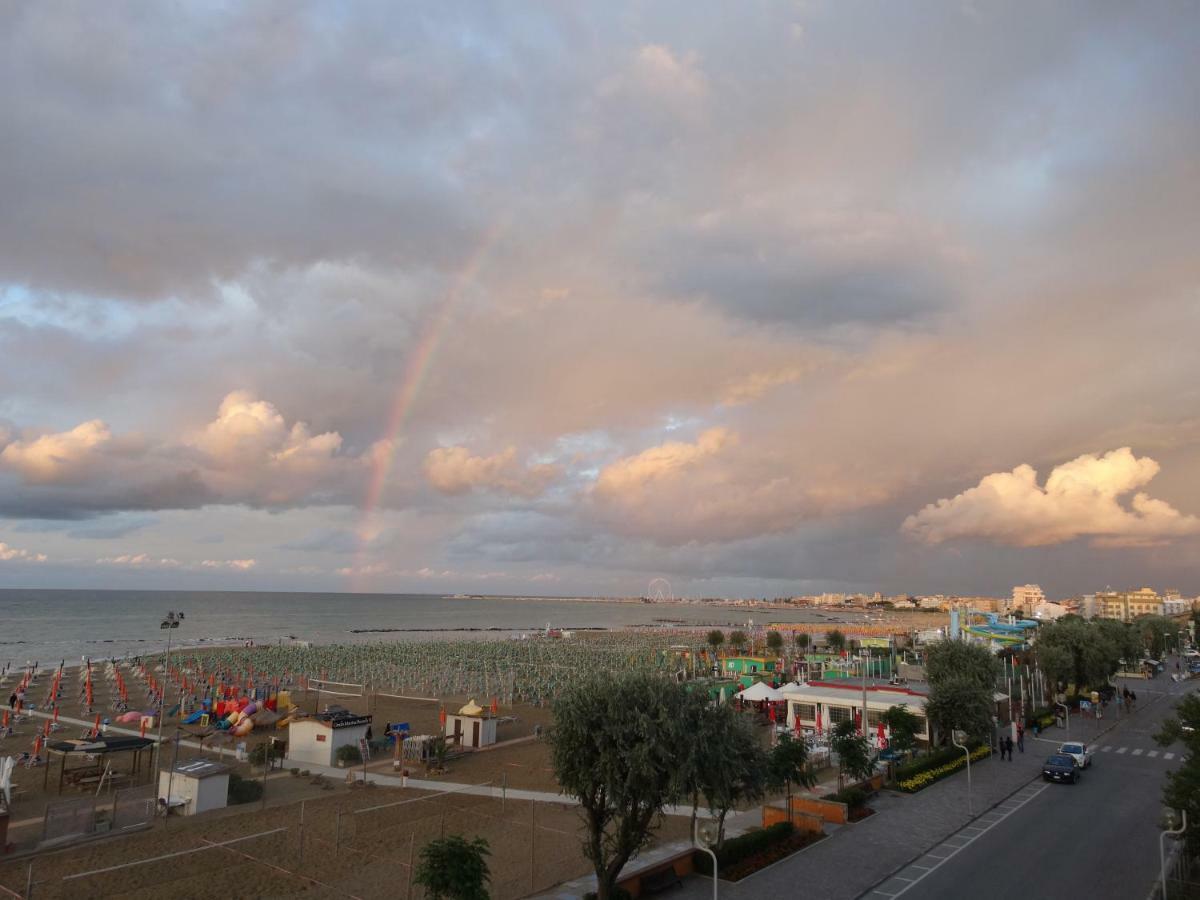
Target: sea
{"type": "Point", "coordinates": [49, 626]}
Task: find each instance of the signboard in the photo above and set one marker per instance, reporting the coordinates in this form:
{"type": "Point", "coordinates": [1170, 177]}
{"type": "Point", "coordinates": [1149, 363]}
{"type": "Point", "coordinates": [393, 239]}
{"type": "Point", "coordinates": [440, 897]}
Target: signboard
{"type": "Point", "coordinates": [877, 642]}
{"type": "Point", "coordinates": [365, 749]}
{"type": "Point", "coordinates": [350, 721]}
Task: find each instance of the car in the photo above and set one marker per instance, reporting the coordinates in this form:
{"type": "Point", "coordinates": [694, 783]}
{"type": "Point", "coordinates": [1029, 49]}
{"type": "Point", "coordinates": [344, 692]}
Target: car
{"type": "Point", "coordinates": [1078, 752]}
{"type": "Point", "coordinates": [1060, 767]}
{"type": "Point", "coordinates": [1191, 651]}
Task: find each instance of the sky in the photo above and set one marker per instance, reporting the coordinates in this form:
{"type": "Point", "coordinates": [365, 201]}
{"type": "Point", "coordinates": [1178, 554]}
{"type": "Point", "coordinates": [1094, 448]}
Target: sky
{"type": "Point", "coordinates": [765, 299]}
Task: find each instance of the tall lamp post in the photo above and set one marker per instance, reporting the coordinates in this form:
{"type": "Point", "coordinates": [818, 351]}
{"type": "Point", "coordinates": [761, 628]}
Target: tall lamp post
{"type": "Point", "coordinates": [169, 623]}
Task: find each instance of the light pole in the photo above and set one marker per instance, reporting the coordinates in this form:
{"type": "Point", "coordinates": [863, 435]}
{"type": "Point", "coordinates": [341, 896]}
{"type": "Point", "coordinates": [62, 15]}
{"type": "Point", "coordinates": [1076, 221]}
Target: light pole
{"type": "Point", "coordinates": [169, 624]}
{"type": "Point", "coordinates": [1162, 849]}
{"type": "Point", "coordinates": [706, 835]}
{"type": "Point", "coordinates": [959, 739]}
{"type": "Point", "coordinates": [1066, 718]}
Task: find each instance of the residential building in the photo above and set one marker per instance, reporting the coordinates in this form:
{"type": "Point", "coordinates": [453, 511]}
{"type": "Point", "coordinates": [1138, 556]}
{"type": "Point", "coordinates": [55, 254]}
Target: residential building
{"type": "Point", "coordinates": [1026, 597]}
{"type": "Point", "coordinates": [1128, 605]}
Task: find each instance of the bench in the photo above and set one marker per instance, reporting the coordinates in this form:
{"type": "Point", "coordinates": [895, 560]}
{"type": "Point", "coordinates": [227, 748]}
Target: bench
{"type": "Point", "coordinates": [662, 880]}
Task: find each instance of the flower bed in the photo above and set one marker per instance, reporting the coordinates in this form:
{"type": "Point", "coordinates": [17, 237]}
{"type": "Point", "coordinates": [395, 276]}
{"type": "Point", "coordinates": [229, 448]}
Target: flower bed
{"type": "Point", "coordinates": [917, 781]}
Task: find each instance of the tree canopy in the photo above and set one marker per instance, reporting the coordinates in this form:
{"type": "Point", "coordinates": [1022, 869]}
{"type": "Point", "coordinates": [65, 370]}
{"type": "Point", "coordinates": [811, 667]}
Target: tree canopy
{"type": "Point", "coordinates": [738, 640]}
{"type": "Point", "coordinates": [802, 639]}
{"type": "Point", "coordinates": [716, 638]}
{"type": "Point", "coordinates": [835, 640]}
{"type": "Point", "coordinates": [453, 868]}
{"type": "Point", "coordinates": [962, 677]}
{"type": "Point", "coordinates": [903, 725]}
{"type": "Point", "coordinates": [774, 642]}
{"type": "Point", "coordinates": [1077, 652]}
{"type": "Point", "coordinates": [616, 746]}
{"type": "Point", "coordinates": [853, 751]}
{"type": "Point", "coordinates": [1181, 789]}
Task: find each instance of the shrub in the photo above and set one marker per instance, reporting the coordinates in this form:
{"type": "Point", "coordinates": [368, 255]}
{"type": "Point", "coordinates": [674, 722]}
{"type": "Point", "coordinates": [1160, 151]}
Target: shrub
{"type": "Point", "coordinates": [258, 753]}
{"type": "Point", "coordinates": [294, 770]}
{"type": "Point", "coordinates": [349, 754]}
{"type": "Point", "coordinates": [243, 790]}
{"type": "Point", "coordinates": [853, 797]}
{"type": "Point", "coordinates": [738, 848]}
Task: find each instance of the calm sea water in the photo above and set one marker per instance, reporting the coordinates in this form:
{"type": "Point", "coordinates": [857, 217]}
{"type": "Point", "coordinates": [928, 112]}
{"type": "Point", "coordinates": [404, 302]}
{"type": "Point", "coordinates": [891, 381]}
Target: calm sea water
{"type": "Point", "coordinates": [50, 625]}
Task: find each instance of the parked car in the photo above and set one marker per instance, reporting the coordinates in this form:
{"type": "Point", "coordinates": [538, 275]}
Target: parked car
{"type": "Point", "coordinates": [1060, 767]}
{"type": "Point", "coordinates": [1078, 752]}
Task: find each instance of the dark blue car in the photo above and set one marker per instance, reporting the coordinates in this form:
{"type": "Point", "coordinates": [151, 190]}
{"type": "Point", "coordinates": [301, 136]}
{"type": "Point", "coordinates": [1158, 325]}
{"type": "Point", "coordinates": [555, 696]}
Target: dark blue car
{"type": "Point", "coordinates": [1060, 767]}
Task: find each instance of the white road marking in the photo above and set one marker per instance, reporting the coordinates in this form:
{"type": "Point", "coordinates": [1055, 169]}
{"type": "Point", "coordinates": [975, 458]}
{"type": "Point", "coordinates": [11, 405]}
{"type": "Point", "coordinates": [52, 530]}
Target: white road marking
{"type": "Point", "coordinates": [1152, 753]}
{"type": "Point", "coordinates": [1137, 751]}
{"type": "Point", "coordinates": [1123, 749]}
{"type": "Point", "coordinates": [1168, 756]}
{"type": "Point", "coordinates": [955, 849]}
{"type": "Point", "coordinates": [1105, 749]}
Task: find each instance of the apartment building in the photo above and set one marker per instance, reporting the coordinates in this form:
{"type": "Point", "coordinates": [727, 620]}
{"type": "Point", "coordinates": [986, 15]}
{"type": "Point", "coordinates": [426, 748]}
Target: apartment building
{"type": "Point", "coordinates": [1128, 605]}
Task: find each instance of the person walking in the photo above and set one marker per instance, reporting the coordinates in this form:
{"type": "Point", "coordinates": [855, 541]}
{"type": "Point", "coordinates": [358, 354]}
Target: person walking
{"type": "Point", "coordinates": [1008, 745]}
{"type": "Point", "coordinates": [1021, 737]}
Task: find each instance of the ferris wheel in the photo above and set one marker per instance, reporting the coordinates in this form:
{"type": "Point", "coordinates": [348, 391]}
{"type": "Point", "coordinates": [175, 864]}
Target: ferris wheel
{"type": "Point", "coordinates": [660, 589]}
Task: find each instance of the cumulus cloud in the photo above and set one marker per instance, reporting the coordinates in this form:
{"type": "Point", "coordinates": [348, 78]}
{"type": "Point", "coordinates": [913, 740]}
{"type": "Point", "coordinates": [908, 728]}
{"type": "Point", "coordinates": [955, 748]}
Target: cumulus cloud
{"type": "Point", "coordinates": [248, 454]}
{"type": "Point", "coordinates": [1081, 498]}
{"type": "Point", "coordinates": [139, 561]}
{"type": "Point", "coordinates": [453, 470]}
{"type": "Point", "coordinates": [239, 565]}
{"type": "Point", "coordinates": [59, 457]}
{"type": "Point", "coordinates": [668, 460]}
{"type": "Point", "coordinates": [16, 554]}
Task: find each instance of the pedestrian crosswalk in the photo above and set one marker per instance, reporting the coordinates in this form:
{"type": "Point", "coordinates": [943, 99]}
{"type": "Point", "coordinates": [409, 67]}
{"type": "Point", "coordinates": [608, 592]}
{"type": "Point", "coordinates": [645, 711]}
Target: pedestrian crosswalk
{"type": "Point", "coordinates": [1135, 751]}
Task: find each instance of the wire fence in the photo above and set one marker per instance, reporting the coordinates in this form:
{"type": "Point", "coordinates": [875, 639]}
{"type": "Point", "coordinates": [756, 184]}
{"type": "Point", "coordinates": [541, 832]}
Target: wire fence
{"type": "Point", "coordinates": [354, 844]}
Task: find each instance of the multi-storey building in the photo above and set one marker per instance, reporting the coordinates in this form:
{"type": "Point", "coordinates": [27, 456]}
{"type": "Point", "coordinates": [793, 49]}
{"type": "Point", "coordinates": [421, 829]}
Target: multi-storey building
{"type": "Point", "coordinates": [1128, 605]}
{"type": "Point", "coordinates": [1027, 597]}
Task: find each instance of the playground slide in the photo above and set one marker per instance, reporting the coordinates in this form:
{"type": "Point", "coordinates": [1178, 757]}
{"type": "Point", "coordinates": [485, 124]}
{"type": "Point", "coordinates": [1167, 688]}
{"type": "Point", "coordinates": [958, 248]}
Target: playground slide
{"type": "Point", "coordinates": [193, 718]}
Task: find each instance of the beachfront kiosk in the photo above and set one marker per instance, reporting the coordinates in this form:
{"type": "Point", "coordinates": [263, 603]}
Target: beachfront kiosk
{"type": "Point", "coordinates": [471, 726]}
{"type": "Point", "coordinates": [196, 786]}
{"type": "Point", "coordinates": [317, 739]}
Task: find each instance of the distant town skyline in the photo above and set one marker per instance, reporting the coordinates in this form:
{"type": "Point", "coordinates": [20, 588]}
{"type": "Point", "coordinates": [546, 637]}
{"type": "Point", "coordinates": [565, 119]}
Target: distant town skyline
{"type": "Point", "coordinates": [531, 300]}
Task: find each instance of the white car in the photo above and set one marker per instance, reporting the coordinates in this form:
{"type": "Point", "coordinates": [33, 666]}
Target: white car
{"type": "Point", "coordinates": [1078, 752]}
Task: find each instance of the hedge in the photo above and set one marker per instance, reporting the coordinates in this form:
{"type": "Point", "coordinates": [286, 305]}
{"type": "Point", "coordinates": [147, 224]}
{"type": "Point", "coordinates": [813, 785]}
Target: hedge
{"type": "Point", "coordinates": [853, 797]}
{"type": "Point", "coordinates": [243, 790]}
{"type": "Point", "coordinates": [736, 849]}
{"type": "Point", "coordinates": [923, 779]}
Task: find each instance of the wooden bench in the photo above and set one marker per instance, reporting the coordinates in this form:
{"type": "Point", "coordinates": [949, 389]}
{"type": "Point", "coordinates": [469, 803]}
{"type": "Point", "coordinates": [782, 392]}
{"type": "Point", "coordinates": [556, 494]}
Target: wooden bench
{"type": "Point", "coordinates": [662, 880]}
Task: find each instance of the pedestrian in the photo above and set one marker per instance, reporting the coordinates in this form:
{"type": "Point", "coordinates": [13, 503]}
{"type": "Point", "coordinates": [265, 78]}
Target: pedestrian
{"type": "Point", "coordinates": [12, 700]}
{"type": "Point", "coordinates": [1008, 745]}
{"type": "Point", "coordinates": [1021, 737]}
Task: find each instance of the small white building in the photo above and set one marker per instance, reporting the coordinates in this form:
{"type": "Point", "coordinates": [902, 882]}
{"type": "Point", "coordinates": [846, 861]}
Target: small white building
{"type": "Point", "coordinates": [471, 726]}
{"type": "Point", "coordinates": [196, 786]}
{"type": "Point", "coordinates": [316, 739]}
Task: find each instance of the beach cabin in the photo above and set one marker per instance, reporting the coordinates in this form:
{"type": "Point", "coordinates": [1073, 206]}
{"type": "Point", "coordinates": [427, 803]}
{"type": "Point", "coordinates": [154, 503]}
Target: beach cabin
{"type": "Point", "coordinates": [819, 706]}
{"type": "Point", "coordinates": [316, 739]}
{"type": "Point", "coordinates": [471, 726]}
{"type": "Point", "coordinates": [196, 786]}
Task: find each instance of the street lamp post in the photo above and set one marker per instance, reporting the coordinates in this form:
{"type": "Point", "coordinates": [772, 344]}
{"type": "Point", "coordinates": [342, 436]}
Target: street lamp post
{"type": "Point", "coordinates": [1162, 850]}
{"type": "Point", "coordinates": [959, 739]}
{"type": "Point", "coordinates": [169, 624]}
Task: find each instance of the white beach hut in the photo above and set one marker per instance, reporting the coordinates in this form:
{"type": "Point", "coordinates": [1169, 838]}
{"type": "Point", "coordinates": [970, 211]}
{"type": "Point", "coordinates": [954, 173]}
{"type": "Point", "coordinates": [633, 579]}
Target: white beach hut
{"type": "Point", "coordinates": [471, 726]}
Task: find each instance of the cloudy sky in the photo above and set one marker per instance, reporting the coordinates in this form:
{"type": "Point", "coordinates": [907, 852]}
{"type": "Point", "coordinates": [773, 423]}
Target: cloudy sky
{"type": "Point", "coordinates": [558, 298]}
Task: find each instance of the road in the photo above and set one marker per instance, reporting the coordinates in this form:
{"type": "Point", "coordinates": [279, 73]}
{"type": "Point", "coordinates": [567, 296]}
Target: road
{"type": "Point", "coordinates": [1097, 838]}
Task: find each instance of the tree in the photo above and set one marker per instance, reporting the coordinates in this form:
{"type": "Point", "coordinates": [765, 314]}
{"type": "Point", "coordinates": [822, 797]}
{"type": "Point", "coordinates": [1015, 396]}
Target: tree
{"type": "Point", "coordinates": [1182, 787]}
{"type": "Point", "coordinates": [962, 678]}
{"type": "Point", "coordinates": [1157, 633]}
{"type": "Point", "coordinates": [454, 868]}
{"type": "Point", "coordinates": [1075, 652]}
{"type": "Point", "coordinates": [724, 761]}
{"type": "Point", "coordinates": [853, 751]}
{"type": "Point", "coordinates": [787, 764]}
{"type": "Point", "coordinates": [835, 640]}
{"type": "Point", "coordinates": [715, 639]}
{"type": "Point", "coordinates": [738, 641]}
{"type": "Point", "coordinates": [775, 642]}
{"type": "Point", "coordinates": [1124, 637]}
{"type": "Point", "coordinates": [903, 726]}
{"type": "Point", "coordinates": [616, 747]}
{"type": "Point", "coordinates": [802, 640]}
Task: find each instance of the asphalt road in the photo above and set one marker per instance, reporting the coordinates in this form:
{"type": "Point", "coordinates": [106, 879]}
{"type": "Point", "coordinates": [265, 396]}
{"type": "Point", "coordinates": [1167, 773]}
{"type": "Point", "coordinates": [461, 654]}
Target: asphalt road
{"type": "Point", "coordinates": [1094, 839]}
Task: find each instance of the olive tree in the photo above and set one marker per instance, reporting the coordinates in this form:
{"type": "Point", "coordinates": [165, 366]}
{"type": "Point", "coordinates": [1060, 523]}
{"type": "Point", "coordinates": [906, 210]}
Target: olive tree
{"type": "Point", "coordinates": [835, 640]}
{"type": "Point", "coordinates": [775, 642]}
{"type": "Point", "coordinates": [787, 764]}
{"type": "Point", "coordinates": [617, 743]}
{"type": "Point", "coordinates": [962, 678]}
{"type": "Point", "coordinates": [853, 752]}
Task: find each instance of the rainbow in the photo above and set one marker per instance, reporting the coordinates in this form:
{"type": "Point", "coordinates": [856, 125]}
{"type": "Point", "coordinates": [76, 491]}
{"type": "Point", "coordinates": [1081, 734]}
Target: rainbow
{"type": "Point", "coordinates": [415, 372]}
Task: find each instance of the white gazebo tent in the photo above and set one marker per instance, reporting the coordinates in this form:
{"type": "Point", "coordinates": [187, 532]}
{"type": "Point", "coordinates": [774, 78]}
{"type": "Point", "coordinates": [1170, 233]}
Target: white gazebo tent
{"type": "Point", "coordinates": [760, 691]}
